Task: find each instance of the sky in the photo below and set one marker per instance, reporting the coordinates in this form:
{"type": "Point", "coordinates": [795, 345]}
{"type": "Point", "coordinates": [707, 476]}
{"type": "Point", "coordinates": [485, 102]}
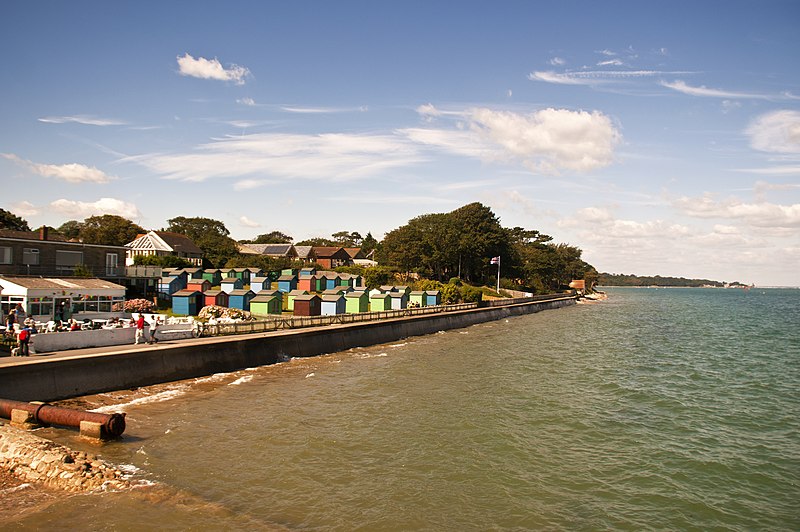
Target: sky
{"type": "Point", "coordinates": [662, 138]}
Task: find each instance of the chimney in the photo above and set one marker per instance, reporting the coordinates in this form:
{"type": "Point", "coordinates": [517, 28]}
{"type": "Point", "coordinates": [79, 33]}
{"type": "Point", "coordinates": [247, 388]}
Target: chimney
{"type": "Point", "coordinates": [43, 232]}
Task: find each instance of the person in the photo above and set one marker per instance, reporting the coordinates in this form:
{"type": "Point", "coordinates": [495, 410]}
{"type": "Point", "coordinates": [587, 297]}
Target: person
{"type": "Point", "coordinates": [139, 330]}
{"type": "Point", "coordinates": [75, 325]}
{"type": "Point", "coordinates": [23, 339]}
{"type": "Point", "coordinates": [20, 312]}
{"type": "Point", "coordinates": [10, 319]}
{"type": "Point", "coordinates": [153, 327]}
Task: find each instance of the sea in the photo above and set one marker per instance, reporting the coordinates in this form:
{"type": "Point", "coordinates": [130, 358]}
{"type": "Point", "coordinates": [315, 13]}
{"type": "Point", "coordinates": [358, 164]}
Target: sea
{"type": "Point", "coordinates": [657, 409]}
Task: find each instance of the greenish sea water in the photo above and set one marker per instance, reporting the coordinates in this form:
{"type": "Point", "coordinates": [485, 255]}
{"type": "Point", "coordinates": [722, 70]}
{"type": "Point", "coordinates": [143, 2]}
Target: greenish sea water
{"type": "Point", "coordinates": [658, 409]}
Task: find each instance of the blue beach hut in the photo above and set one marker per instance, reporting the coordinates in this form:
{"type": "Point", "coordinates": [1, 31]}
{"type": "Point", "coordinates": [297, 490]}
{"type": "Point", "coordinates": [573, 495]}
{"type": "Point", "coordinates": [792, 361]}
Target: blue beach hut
{"type": "Point", "coordinates": [187, 302]}
{"type": "Point", "coordinates": [169, 285]}
{"type": "Point", "coordinates": [240, 299]}
{"type": "Point", "coordinates": [432, 297]}
{"type": "Point", "coordinates": [287, 283]}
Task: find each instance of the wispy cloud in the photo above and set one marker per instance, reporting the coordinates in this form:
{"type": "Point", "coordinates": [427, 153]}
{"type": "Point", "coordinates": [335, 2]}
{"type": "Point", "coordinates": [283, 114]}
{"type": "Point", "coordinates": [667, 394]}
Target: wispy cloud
{"type": "Point", "coordinates": [683, 87]}
{"type": "Point", "coordinates": [71, 173]}
{"type": "Point", "coordinates": [203, 68]}
{"type": "Point", "coordinates": [82, 119]}
{"type": "Point", "coordinates": [322, 110]}
{"type": "Point", "coordinates": [247, 101]}
{"type": "Point", "coordinates": [339, 157]}
{"type": "Point", "coordinates": [593, 77]}
{"type": "Point", "coordinates": [250, 184]}
{"type": "Point", "coordinates": [83, 209]}
{"type": "Point", "coordinates": [244, 221]}
{"type": "Point", "coordinates": [763, 214]}
{"type": "Point", "coordinates": [24, 208]}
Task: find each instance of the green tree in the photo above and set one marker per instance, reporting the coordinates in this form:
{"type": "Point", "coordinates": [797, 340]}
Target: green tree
{"type": "Point", "coordinates": [210, 235]}
{"type": "Point", "coordinates": [318, 242]}
{"type": "Point", "coordinates": [165, 261]}
{"type": "Point", "coordinates": [274, 237]}
{"type": "Point", "coordinates": [9, 220]}
{"type": "Point", "coordinates": [109, 229]}
{"type": "Point", "coordinates": [368, 244]}
{"type": "Point", "coordinates": [71, 229]}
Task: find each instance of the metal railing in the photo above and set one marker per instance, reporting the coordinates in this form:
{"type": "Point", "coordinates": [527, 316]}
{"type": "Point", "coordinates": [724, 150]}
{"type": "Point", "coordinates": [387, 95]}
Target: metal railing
{"type": "Point", "coordinates": [270, 324]}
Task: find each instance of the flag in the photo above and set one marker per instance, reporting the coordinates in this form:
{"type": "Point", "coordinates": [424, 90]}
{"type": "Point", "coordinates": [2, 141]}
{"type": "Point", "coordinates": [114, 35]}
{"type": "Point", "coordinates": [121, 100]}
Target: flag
{"type": "Point", "coordinates": [495, 260]}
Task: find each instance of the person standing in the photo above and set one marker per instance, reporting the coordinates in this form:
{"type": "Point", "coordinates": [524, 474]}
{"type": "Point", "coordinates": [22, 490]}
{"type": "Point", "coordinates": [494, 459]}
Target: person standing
{"type": "Point", "coordinates": [23, 341]}
{"type": "Point", "coordinates": [10, 319]}
{"type": "Point", "coordinates": [153, 327]}
{"type": "Point", "coordinates": [139, 330]}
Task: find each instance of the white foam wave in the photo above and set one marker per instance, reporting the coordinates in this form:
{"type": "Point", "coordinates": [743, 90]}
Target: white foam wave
{"type": "Point", "coordinates": [155, 398]}
{"type": "Point", "coordinates": [16, 488]}
{"type": "Point", "coordinates": [399, 345]}
{"type": "Point", "coordinates": [310, 375]}
{"type": "Point", "coordinates": [241, 380]}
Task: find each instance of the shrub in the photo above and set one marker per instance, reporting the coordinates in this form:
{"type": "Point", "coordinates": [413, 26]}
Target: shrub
{"type": "Point", "coordinates": [134, 305]}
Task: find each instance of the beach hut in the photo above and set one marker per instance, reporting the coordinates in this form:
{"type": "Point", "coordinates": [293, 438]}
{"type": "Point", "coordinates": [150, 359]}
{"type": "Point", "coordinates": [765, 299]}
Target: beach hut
{"type": "Point", "coordinates": [187, 302]}
{"type": "Point", "coordinates": [307, 305]}
{"type": "Point", "coordinates": [258, 284]}
{"type": "Point", "coordinates": [432, 297]}
{"type": "Point", "coordinates": [201, 285]}
{"type": "Point", "coordinates": [217, 298]}
{"type": "Point", "coordinates": [331, 280]}
{"type": "Point", "coordinates": [229, 284]}
{"type": "Point", "coordinates": [337, 290]}
{"type": "Point", "coordinates": [402, 288]}
{"type": "Point", "coordinates": [380, 301]}
{"type": "Point", "coordinates": [240, 299]}
{"type": "Point", "coordinates": [307, 272]}
{"type": "Point", "coordinates": [169, 285]}
{"type": "Point", "coordinates": [228, 272]}
{"type": "Point", "coordinates": [255, 272]}
{"type": "Point", "coordinates": [213, 276]}
{"type": "Point", "coordinates": [243, 274]}
{"type": "Point", "coordinates": [332, 304]}
{"type": "Point", "coordinates": [287, 283]}
{"type": "Point", "coordinates": [399, 300]}
{"type": "Point", "coordinates": [417, 298]}
{"type": "Point", "coordinates": [289, 297]}
{"type": "Point", "coordinates": [308, 283]}
{"type": "Point", "coordinates": [288, 271]}
{"type": "Point", "coordinates": [356, 302]}
{"type": "Point", "coordinates": [264, 305]}
{"type": "Point", "coordinates": [193, 273]}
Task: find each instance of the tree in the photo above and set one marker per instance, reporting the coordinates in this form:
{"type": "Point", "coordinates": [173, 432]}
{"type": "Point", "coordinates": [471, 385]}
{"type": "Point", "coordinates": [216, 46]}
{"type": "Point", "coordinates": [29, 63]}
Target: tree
{"type": "Point", "coordinates": [274, 237]}
{"type": "Point", "coordinates": [318, 242]}
{"type": "Point", "coordinates": [368, 244]}
{"type": "Point", "coordinates": [210, 235]}
{"type": "Point", "coordinates": [71, 229]}
{"type": "Point", "coordinates": [9, 220]}
{"type": "Point", "coordinates": [347, 240]}
{"type": "Point", "coordinates": [165, 261]}
{"type": "Point", "coordinates": [109, 229]}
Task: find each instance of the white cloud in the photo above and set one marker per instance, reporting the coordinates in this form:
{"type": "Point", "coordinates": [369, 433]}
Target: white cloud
{"type": "Point", "coordinates": [71, 173]}
{"type": "Point", "coordinates": [81, 119]}
{"type": "Point", "coordinates": [776, 132]}
{"type": "Point", "coordinates": [247, 101]}
{"type": "Point", "coordinates": [250, 184]}
{"type": "Point", "coordinates": [244, 221]}
{"type": "Point", "coordinates": [545, 141]}
{"type": "Point", "coordinates": [611, 62]}
{"type": "Point", "coordinates": [682, 87]}
{"type": "Point", "coordinates": [763, 214]}
{"type": "Point", "coordinates": [591, 77]}
{"type": "Point", "coordinates": [211, 69]}
{"type": "Point", "coordinates": [557, 61]}
{"type": "Point", "coordinates": [337, 157]}
{"type": "Point", "coordinates": [24, 208]}
{"type": "Point", "coordinates": [81, 209]}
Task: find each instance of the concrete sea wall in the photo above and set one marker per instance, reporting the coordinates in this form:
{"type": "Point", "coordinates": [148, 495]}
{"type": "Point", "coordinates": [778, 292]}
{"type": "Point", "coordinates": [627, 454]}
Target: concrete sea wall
{"type": "Point", "coordinates": [50, 380]}
{"type": "Point", "coordinates": [62, 341]}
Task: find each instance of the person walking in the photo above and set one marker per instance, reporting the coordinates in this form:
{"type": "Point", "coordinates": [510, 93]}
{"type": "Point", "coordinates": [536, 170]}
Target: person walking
{"type": "Point", "coordinates": [139, 330]}
{"type": "Point", "coordinates": [153, 327]}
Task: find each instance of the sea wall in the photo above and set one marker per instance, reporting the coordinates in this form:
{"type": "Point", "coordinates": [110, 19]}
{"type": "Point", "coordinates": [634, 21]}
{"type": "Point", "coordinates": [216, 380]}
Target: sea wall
{"type": "Point", "coordinates": [61, 378]}
{"type": "Point", "coordinates": [63, 341]}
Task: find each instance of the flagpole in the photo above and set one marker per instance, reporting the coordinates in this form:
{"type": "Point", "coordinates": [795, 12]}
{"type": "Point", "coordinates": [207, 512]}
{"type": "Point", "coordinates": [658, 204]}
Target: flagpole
{"type": "Point", "coordinates": [498, 274]}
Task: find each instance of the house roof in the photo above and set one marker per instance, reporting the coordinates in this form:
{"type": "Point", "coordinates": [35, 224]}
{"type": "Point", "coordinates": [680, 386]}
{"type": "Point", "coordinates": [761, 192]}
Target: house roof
{"type": "Point", "coordinates": [32, 235]}
{"type": "Point", "coordinates": [274, 250]}
{"type": "Point", "coordinates": [58, 283]}
{"type": "Point", "coordinates": [330, 253]}
{"type": "Point", "coordinates": [355, 253]}
{"type": "Point", "coordinates": [304, 252]}
{"type": "Point", "coordinates": [165, 241]}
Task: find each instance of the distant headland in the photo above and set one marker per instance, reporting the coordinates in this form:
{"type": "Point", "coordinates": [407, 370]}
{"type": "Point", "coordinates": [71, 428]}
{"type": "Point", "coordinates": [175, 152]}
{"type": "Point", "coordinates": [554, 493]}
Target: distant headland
{"type": "Point", "coordinates": [618, 279]}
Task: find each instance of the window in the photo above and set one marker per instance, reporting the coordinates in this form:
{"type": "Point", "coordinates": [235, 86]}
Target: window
{"type": "Point", "coordinates": [112, 261]}
{"type": "Point", "coordinates": [30, 256]}
{"type": "Point", "coordinates": [5, 255]}
{"type": "Point", "coordinates": [67, 260]}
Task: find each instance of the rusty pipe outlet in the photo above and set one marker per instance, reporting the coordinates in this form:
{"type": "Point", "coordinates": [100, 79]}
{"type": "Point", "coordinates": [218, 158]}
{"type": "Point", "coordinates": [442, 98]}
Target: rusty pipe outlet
{"type": "Point", "coordinates": [113, 425]}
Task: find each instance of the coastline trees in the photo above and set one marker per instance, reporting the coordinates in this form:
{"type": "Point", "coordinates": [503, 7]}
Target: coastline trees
{"type": "Point", "coordinates": [108, 229]}
{"type": "Point", "coordinates": [9, 220]}
{"type": "Point", "coordinates": [210, 235]}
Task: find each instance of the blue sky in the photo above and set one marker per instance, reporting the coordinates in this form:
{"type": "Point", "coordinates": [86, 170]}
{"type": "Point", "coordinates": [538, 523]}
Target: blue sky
{"type": "Point", "coordinates": [660, 138]}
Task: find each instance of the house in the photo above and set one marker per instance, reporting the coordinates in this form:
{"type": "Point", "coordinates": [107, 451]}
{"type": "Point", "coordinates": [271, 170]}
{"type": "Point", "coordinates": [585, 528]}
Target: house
{"type": "Point", "coordinates": [305, 254]}
{"type": "Point", "coordinates": [356, 302]}
{"type": "Point", "coordinates": [264, 305]}
{"type": "Point", "coordinates": [48, 254]}
{"type": "Point", "coordinates": [331, 257]}
{"type": "Point", "coordinates": [332, 304]}
{"type": "Point", "coordinates": [163, 243]}
{"type": "Point", "coordinates": [289, 298]}
{"type": "Point", "coordinates": [399, 300]}
{"type": "Point", "coordinates": [257, 284]}
{"type": "Point", "coordinates": [240, 299]}
{"type": "Point", "coordinates": [380, 301]}
{"type": "Point", "coordinates": [274, 250]}
{"type": "Point", "coordinates": [201, 285]}
{"type": "Point", "coordinates": [187, 302]}
{"type": "Point", "coordinates": [417, 298]}
{"type": "Point", "coordinates": [229, 284]}
{"type": "Point", "coordinates": [50, 298]}
{"type": "Point", "coordinates": [218, 298]}
{"type": "Point", "coordinates": [169, 285]}
{"type": "Point", "coordinates": [287, 283]}
{"type": "Point", "coordinates": [213, 276]}
{"type": "Point", "coordinates": [433, 297]}
{"type": "Point", "coordinates": [307, 305]}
